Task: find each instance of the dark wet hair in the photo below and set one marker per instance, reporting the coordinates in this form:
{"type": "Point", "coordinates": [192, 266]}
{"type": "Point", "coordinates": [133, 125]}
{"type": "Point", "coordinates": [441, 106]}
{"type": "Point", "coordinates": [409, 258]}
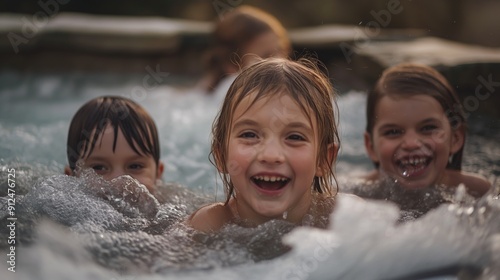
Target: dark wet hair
{"type": "Point", "coordinates": [236, 30]}
{"type": "Point", "coordinates": [91, 120]}
{"type": "Point", "coordinates": [306, 84]}
{"type": "Point", "coordinates": [409, 79]}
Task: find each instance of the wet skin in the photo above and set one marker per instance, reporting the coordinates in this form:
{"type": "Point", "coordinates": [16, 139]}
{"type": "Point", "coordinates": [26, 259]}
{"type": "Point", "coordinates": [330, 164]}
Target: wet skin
{"type": "Point", "coordinates": [412, 140]}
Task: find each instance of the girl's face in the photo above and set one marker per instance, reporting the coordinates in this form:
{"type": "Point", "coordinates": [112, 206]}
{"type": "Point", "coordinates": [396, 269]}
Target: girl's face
{"type": "Point", "coordinates": [123, 161]}
{"type": "Point", "coordinates": [272, 158]}
{"type": "Point", "coordinates": [412, 140]}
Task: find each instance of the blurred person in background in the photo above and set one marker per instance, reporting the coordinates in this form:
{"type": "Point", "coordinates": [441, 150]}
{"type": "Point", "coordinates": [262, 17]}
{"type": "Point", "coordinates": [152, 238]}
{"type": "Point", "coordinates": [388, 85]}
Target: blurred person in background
{"type": "Point", "coordinates": [242, 37]}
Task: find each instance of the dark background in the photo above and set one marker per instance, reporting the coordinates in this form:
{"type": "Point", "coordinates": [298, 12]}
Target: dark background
{"type": "Point", "coordinates": [470, 21]}
{"type": "Point", "coordinates": [474, 22]}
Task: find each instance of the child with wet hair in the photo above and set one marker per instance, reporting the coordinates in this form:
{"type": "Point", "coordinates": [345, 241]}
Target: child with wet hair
{"type": "Point", "coordinates": [274, 143]}
{"type": "Point", "coordinates": [241, 37]}
{"type": "Point", "coordinates": [416, 130]}
{"type": "Point", "coordinates": [114, 136]}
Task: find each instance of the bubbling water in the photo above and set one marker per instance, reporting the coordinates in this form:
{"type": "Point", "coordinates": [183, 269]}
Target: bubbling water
{"type": "Point", "coordinates": [125, 228]}
{"type": "Point", "coordinates": [87, 228]}
{"type": "Point", "coordinates": [80, 232]}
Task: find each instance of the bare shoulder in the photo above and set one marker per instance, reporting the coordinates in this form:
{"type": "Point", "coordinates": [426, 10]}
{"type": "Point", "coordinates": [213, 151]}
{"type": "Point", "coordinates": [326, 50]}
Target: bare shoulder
{"type": "Point", "coordinates": [475, 184]}
{"type": "Point", "coordinates": [210, 217]}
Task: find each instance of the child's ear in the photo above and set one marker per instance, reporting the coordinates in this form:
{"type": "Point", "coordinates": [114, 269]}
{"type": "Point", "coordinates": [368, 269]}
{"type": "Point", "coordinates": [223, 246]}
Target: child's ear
{"type": "Point", "coordinates": [457, 139]}
{"type": "Point", "coordinates": [332, 153]}
{"type": "Point", "coordinates": [159, 171]}
{"type": "Point", "coordinates": [369, 147]}
{"type": "Point", "coordinates": [68, 171]}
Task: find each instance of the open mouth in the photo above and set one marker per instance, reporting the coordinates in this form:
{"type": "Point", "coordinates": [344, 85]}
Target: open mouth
{"type": "Point", "coordinates": [270, 183]}
{"type": "Point", "coordinates": [412, 166]}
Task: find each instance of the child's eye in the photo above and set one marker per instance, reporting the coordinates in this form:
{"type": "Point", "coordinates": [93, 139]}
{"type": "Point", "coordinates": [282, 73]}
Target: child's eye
{"type": "Point", "coordinates": [98, 168]}
{"type": "Point", "coordinates": [296, 137]}
{"type": "Point", "coordinates": [136, 166]}
{"type": "Point", "coordinates": [392, 132]}
{"type": "Point", "coordinates": [248, 134]}
{"type": "Point", "coordinates": [429, 128]}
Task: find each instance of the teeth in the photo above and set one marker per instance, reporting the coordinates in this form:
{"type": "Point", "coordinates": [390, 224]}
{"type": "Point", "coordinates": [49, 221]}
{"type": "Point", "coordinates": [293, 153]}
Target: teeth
{"type": "Point", "coordinates": [413, 161]}
{"type": "Point", "coordinates": [270, 178]}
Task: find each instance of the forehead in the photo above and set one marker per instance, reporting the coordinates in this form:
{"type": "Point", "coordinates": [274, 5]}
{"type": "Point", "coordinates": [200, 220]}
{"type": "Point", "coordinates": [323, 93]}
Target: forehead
{"type": "Point", "coordinates": [395, 108]}
{"type": "Point", "coordinates": [280, 104]}
{"type": "Point", "coordinates": [105, 135]}
{"type": "Point", "coordinates": [106, 140]}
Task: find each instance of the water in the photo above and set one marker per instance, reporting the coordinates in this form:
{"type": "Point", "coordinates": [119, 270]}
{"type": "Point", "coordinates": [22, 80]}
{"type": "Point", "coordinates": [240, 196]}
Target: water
{"type": "Point", "coordinates": [87, 228]}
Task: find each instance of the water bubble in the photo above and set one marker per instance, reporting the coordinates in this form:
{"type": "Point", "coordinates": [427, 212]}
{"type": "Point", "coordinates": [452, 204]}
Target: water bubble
{"type": "Point", "coordinates": [285, 215]}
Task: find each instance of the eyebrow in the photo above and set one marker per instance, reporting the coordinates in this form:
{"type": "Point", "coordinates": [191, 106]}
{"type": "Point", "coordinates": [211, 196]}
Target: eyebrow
{"type": "Point", "coordinates": [244, 122]}
{"type": "Point", "coordinates": [391, 125]}
{"type": "Point", "coordinates": [249, 122]}
{"type": "Point", "coordinates": [430, 120]}
{"type": "Point", "coordinates": [132, 158]}
{"type": "Point", "coordinates": [386, 126]}
{"type": "Point", "coordinates": [300, 125]}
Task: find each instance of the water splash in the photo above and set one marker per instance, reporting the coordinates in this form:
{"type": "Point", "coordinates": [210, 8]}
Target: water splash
{"type": "Point", "coordinates": [373, 247]}
{"type": "Point", "coordinates": [97, 237]}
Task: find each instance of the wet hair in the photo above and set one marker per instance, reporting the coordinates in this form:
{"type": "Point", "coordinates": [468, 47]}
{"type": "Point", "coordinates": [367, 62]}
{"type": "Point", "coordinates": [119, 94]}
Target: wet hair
{"type": "Point", "coordinates": [409, 79]}
{"type": "Point", "coordinates": [91, 120]}
{"type": "Point", "coordinates": [306, 84]}
{"type": "Point", "coordinates": [235, 31]}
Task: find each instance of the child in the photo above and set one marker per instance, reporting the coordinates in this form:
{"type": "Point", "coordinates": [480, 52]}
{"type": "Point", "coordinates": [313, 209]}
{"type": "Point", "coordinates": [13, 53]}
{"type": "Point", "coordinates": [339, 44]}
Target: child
{"type": "Point", "coordinates": [114, 136]}
{"type": "Point", "coordinates": [274, 143]}
{"type": "Point", "coordinates": [244, 30]}
{"type": "Point", "coordinates": [415, 130]}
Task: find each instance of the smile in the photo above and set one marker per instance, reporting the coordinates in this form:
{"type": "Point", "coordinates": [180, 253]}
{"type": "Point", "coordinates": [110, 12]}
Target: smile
{"type": "Point", "coordinates": [414, 166]}
{"type": "Point", "coordinates": [270, 183]}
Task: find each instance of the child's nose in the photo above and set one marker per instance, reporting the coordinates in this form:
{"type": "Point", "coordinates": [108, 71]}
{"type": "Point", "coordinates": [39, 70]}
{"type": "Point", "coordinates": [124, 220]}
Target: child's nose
{"type": "Point", "coordinates": [271, 152]}
{"type": "Point", "coordinates": [116, 172]}
{"type": "Point", "coordinates": [411, 140]}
